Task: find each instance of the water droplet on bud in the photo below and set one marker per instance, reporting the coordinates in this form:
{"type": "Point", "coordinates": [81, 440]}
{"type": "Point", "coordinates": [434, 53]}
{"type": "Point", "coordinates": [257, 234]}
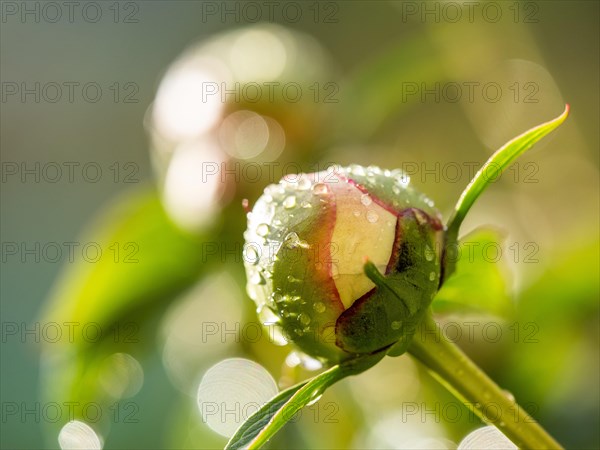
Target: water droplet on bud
{"type": "Point", "coordinates": [257, 278]}
{"type": "Point", "coordinates": [372, 216]}
{"type": "Point", "coordinates": [250, 255]}
{"type": "Point", "coordinates": [262, 229]}
{"type": "Point", "coordinates": [365, 199]}
{"type": "Point", "coordinates": [357, 170]}
{"type": "Point", "coordinates": [429, 253]}
{"type": "Point", "coordinates": [431, 276]}
{"type": "Point", "coordinates": [319, 189]}
{"type": "Point", "coordinates": [304, 183]}
{"type": "Point", "coordinates": [292, 240]}
{"type": "Point", "coordinates": [421, 217]}
{"type": "Point", "coordinates": [396, 325]}
{"type": "Point", "coordinates": [289, 202]}
{"type": "Point", "coordinates": [266, 316]}
{"type": "Point", "coordinates": [304, 319]}
{"type": "Point", "coordinates": [319, 307]}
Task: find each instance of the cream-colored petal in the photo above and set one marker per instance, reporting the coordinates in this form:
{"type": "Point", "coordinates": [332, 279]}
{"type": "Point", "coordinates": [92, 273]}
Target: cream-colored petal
{"type": "Point", "coordinates": [362, 229]}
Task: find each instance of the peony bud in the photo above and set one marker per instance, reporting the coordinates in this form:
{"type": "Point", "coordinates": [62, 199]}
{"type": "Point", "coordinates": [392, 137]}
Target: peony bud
{"type": "Point", "coordinates": [307, 244]}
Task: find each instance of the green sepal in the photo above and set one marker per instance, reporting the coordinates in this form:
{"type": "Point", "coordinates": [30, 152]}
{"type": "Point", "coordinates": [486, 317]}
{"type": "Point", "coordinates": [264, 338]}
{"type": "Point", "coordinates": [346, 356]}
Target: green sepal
{"type": "Point", "coordinates": [390, 313]}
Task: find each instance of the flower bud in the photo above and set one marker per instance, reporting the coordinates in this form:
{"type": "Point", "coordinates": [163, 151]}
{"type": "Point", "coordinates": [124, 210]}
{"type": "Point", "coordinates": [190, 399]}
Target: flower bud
{"type": "Point", "coordinates": [308, 240]}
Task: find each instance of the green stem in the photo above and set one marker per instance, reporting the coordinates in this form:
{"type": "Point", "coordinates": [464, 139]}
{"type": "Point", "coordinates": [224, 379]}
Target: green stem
{"type": "Point", "coordinates": [454, 370]}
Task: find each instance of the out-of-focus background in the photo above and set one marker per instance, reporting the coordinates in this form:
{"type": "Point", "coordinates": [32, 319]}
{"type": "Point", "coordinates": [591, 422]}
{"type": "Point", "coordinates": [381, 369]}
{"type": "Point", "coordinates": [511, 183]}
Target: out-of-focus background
{"type": "Point", "coordinates": [130, 133]}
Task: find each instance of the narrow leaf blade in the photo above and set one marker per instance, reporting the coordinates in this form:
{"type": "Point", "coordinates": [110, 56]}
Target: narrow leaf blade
{"type": "Point", "coordinates": [493, 167]}
{"type": "Point", "coordinates": [263, 424]}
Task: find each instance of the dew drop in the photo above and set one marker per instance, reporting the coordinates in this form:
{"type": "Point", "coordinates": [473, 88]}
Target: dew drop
{"type": "Point", "coordinates": [374, 170]}
{"type": "Point", "coordinates": [395, 189]}
{"type": "Point", "coordinates": [509, 395]}
{"type": "Point", "coordinates": [257, 278]}
{"type": "Point", "coordinates": [266, 316]}
{"type": "Point", "coordinates": [314, 399]}
{"type": "Point", "coordinates": [431, 276]}
{"type": "Point", "coordinates": [304, 183]}
{"type": "Point", "coordinates": [289, 202]}
{"type": "Point", "coordinates": [403, 179]}
{"type": "Point", "coordinates": [304, 319]}
{"type": "Point", "coordinates": [365, 199]}
{"type": "Point", "coordinates": [319, 189]}
{"type": "Point", "coordinates": [292, 240]}
{"type": "Point", "coordinates": [396, 325]}
{"type": "Point", "coordinates": [421, 217]}
{"type": "Point", "coordinates": [319, 307]}
{"type": "Point", "coordinates": [357, 170]}
{"type": "Point", "coordinates": [356, 213]}
{"type": "Point", "coordinates": [306, 204]}
{"type": "Point", "coordinates": [372, 216]}
{"type": "Point", "coordinates": [429, 253]}
{"type": "Point", "coordinates": [262, 229]}
{"type": "Point", "coordinates": [251, 255]}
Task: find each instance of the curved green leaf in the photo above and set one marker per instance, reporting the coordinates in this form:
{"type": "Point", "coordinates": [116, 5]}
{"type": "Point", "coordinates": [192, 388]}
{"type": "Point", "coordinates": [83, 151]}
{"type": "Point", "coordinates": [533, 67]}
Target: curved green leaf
{"type": "Point", "coordinates": [263, 424]}
{"type": "Point", "coordinates": [492, 168]}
